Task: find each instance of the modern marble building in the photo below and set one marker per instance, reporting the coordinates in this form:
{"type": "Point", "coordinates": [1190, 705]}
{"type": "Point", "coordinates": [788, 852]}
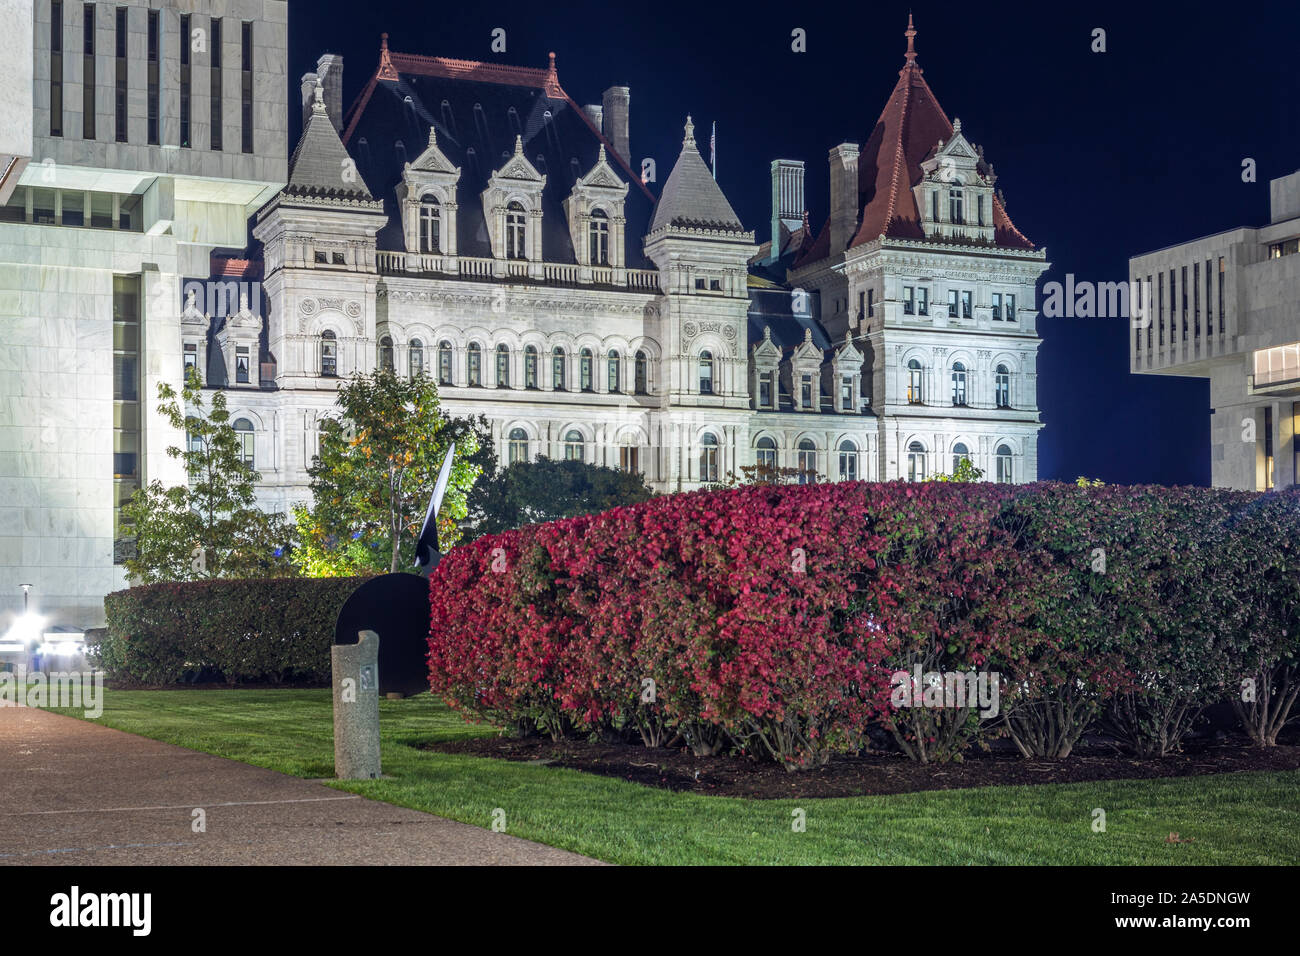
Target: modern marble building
{"type": "Point", "coordinates": [473, 222]}
{"type": "Point", "coordinates": [1223, 307]}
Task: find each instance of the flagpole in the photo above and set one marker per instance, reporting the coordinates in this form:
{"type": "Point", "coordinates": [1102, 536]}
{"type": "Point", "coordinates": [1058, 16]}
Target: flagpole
{"type": "Point", "coordinates": [713, 149]}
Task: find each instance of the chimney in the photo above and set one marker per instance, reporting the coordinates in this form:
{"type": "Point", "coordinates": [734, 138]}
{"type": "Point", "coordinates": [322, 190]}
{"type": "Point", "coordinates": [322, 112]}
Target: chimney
{"type": "Point", "coordinates": [596, 114]}
{"type": "Point", "coordinates": [787, 201]}
{"type": "Point", "coordinates": [329, 73]}
{"type": "Point", "coordinates": [1284, 197]}
{"type": "Point", "coordinates": [617, 102]}
{"type": "Point", "coordinates": [844, 195]}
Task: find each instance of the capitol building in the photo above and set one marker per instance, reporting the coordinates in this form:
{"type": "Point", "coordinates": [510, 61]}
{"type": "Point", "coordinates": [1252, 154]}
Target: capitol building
{"type": "Point", "coordinates": [472, 222]}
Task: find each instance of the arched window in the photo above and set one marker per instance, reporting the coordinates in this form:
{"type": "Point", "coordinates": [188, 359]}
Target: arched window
{"type": "Point", "coordinates": [515, 231]}
{"type": "Point", "coordinates": [914, 396]}
{"type": "Point", "coordinates": [629, 455]}
{"type": "Point", "coordinates": [642, 367]}
{"type": "Point", "coordinates": [386, 354]}
{"type": "Point", "coordinates": [1004, 465]}
{"type": "Point", "coordinates": [530, 366]}
{"type": "Point", "coordinates": [708, 457]}
{"type": "Point", "coordinates": [474, 364]}
{"type": "Point", "coordinates": [503, 366]}
{"type": "Point", "coordinates": [1002, 387]}
{"type": "Point", "coordinates": [807, 462]}
{"type": "Point", "coordinates": [916, 462]}
{"type": "Point", "coordinates": [848, 461]}
{"type": "Point", "coordinates": [415, 358]}
{"type": "Point", "coordinates": [557, 369]}
{"type": "Point", "coordinates": [430, 225]}
{"type": "Point", "coordinates": [329, 354]}
{"type": "Point", "coordinates": [518, 445]}
{"type": "Point", "coordinates": [706, 373]}
{"type": "Point", "coordinates": [959, 453]}
{"type": "Point", "coordinates": [244, 434]}
{"type": "Point", "coordinates": [613, 371]}
{"type": "Point", "coordinates": [588, 360]}
{"type": "Point", "coordinates": [766, 455]}
{"type": "Point", "coordinates": [958, 383]}
{"type": "Point", "coordinates": [598, 237]}
{"type": "Point", "coordinates": [444, 363]}
{"type": "Point", "coordinates": [573, 448]}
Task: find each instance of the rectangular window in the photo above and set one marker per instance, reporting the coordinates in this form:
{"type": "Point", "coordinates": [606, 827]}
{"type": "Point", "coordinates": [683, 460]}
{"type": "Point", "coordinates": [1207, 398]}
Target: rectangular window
{"type": "Point", "coordinates": [1011, 308]}
{"type": "Point", "coordinates": [765, 390]}
{"type": "Point", "coordinates": [1221, 295]}
{"type": "Point", "coordinates": [997, 305]}
{"type": "Point", "coordinates": [1209, 302]}
{"type": "Point", "coordinates": [909, 304]}
{"type": "Point", "coordinates": [126, 403]}
{"type": "Point", "coordinates": [119, 90]}
{"type": "Point", "coordinates": [1160, 306]}
{"type": "Point", "coordinates": [1148, 308]}
{"type": "Point", "coordinates": [155, 45]}
{"type": "Point", "coordinates": [934, 205]}
{"type": "Point", "coordinates": [1182, 285]}
{"type": "Point", "coordinates": [241, 364]}
{"type": "Point", "coordinates": [186, 41]}
{"type": "Point", "coordinates": [246, 87]}
{"type": "Point", "coordinates": [805, 392]}
{"type": "Point", "coordinates": [922, 301]}
{"type": "Point", "coordinates": [979, 209]}
{"type": "Point", "coordinates": [871, 303]}
{"type": "Point", "coordinates": [846, 394]}
{"type": "Point", "coordinates": [214, 46]}
{"type": "Point", "coordinates": [1268, 447]}
{"type": "Point", "coordinates": [56, 68]}
{"type": "Point", "coordinates": [1196, 299]}
{"type": "Point", "coordinates": [966, 305]}
{"type": "Point", "coordinates": [952, 303]}
{"type": "Point", "coordinates": [88, 71]}
{"type": "Point", "coordinates": [862, 305]}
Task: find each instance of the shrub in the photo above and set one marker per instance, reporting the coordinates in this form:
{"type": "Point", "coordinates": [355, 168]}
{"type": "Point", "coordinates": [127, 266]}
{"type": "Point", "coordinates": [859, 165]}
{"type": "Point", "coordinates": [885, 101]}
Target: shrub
{"type": "Point", "coordinates": [238, 631]}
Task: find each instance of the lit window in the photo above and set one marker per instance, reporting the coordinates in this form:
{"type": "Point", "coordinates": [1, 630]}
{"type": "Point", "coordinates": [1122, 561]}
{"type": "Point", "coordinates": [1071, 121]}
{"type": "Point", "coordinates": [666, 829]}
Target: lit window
{"type": "Point", "coordinates": [766, 456]}
{"type": "Point", "coordinates": [503, 366]}
{"type": "Point", "coordinates": [708, 458]}
{"type": "Point", "coordinates": [244, 433]}
{"type": "Point", "coordinates": [518, 445]}
{"type": "Point", "coordinates": [807, 462]}
{"type": "Point", "coordinates": [914, 373]}
{"type": "Point", "coordinates": [1004, 464]}
{"type": "Point", "coordinates": [848, 461]}
{"type": "Point", "coordinates": [573, 447]}
{"type": "Point", "coordinates": [430, 225]}
{"type": "Point", "coordinates": [706, 373]}
{"type": "Point", "coordinates": [916, 462]}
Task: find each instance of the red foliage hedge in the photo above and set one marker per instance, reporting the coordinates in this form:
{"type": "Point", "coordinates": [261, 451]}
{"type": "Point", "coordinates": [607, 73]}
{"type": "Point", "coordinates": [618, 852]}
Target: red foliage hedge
{"type": "Point", "coordinates": [776, 617]}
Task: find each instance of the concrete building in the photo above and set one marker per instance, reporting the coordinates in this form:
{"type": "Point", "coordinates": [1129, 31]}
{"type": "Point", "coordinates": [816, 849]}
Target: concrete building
{"type": "Point", "coordinates": [474, 223]}
{"type": "Point", "coordinates": [1224, 308]}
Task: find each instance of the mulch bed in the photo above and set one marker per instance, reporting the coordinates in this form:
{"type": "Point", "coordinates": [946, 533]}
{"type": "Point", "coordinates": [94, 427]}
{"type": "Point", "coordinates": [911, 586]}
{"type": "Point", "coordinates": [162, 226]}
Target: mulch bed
{"type": "Point", "coordinates": [869, 773]}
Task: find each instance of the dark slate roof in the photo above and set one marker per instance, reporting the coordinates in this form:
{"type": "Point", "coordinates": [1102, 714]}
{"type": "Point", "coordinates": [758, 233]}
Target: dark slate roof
{"type": "Point", "coordinates": [691, 197]}
{"type": "Point", "coordinates": [319, 165]}
{"type": "Point", "coordinates": [774, 308]}
{"type": "Point", "coordinates": [478, 109]}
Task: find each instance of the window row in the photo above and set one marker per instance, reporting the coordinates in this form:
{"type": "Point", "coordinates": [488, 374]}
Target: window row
{"type": "Point", "coordinates": [960, 378]}
{"type": "Point", "coordinates": [1185, 289]}
{"type": "Point", "coordinates": [916, 301]}
{"type": "Point", "coordinates": [956, 206]}
{"type": "Point", "coordinates": [918, 465]}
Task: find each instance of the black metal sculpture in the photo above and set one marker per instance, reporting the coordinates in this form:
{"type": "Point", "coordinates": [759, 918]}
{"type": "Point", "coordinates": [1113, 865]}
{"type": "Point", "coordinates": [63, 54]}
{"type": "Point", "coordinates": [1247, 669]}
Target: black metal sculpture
{"type": "Point", "coordinates": [396, 607]}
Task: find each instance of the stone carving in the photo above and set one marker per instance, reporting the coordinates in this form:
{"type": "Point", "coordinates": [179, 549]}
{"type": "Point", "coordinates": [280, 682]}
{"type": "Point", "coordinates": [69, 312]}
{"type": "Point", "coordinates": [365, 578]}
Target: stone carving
{"type": "Point", "coordinates": [308, 306]}
{"type": "Point", "coordinates": [690, 330]}
{"type": "Point", "coordinates": [354, 309]}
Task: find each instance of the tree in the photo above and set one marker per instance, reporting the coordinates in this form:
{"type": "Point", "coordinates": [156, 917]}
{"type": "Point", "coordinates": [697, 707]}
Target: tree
{"type": "Point", "coordinates": [210, 527]}
{"type": "Point", "coordinates": [372, 481]}
{"type": "Point", "coordinates": [964, 472]}
{"type": "Point", "coordinates": [532, 492]}
{"type": "Point", "coordinates": [760, 474]}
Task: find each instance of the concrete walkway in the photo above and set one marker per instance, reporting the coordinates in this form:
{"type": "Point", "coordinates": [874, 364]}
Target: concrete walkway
{"type": "Point", "coordinates": [75, 793]}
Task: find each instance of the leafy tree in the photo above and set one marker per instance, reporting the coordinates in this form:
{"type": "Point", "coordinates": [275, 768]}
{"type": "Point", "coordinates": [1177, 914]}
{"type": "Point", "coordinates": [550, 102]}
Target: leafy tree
{"type": "Point", "coordinates": [210, 527]}
{"type": "Point", "coordinates": [376, 470]}
{"type": "Point", "coordinates": [759, 474]}
{"type": "Point", "coordinates": [964, 472]}
{"type": "Point", "coordinates": [1083, 482]}
{"type": "Point", "coordinates": [533, 492]}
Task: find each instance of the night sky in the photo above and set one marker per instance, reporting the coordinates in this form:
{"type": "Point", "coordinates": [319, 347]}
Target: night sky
{"type": "Point", "coordinates": [1100, 156]}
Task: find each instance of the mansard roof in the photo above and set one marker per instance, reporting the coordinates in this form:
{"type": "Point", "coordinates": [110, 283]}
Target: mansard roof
{"type": "Point", "coordinates": [691, 197]}
{"type": "Point", "coordinates": [320, 167]}
{"type": "Point", "coordinates": [774, 309]}
{"type": "Point", "coordinates": [889, 165]}
{"type": "Point", "coordinates": [478, 110]}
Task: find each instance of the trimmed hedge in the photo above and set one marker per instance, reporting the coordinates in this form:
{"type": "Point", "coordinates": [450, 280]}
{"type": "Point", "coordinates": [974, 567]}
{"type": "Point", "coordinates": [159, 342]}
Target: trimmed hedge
{"type": "Point", "coordinates": [273, 630]}
{"type": "Point", "coordinates": [772, 619]}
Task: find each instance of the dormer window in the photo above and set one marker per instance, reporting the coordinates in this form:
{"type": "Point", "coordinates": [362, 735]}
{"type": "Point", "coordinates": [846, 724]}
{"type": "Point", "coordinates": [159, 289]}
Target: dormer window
{"type": "Point", "coordinates": [515, 231]}
{"type": "Point", "coordinates": [430, 225]}
{"type": "Point", "coordinates": [979, 210]}
{"type": "Point", "coordinates": [598, 238]}
{"type": "Point", "coordinates": [955, 213]}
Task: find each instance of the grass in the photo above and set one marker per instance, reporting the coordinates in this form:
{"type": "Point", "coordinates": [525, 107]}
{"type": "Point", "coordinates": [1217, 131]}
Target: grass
{"type": "Point", "coordinates": [1233, 819]}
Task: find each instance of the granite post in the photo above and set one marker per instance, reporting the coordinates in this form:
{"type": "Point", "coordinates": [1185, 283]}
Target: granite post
{"type": "Point", "coordinates": [356, 707]}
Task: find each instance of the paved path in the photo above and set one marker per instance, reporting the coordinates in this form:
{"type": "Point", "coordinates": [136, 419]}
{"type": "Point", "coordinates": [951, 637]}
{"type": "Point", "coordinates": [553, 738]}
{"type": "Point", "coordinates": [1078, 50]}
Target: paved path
{"type": "Point", "coordinates": [73, 792]}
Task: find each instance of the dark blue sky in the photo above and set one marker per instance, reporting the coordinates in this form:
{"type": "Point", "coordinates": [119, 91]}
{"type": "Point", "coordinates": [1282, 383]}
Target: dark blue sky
{"type": "Point", "coordinates": [1100, 156]}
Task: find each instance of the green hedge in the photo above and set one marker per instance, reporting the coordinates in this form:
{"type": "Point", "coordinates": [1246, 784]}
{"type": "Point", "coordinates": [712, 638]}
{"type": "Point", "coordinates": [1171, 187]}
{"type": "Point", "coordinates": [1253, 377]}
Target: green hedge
{"type": "Point", "coordinates": [272, 630]}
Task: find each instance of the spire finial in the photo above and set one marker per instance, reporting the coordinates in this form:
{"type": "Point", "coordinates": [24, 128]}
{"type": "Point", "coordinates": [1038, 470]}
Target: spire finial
{"type": "Point", "coordinates": [910, 33]}
{"type": "Point", "coordinates": [433, 137]}
{"type": "Point", "coordinates": [552, 64]}
{"type": "Point", "coordinates": [601, 158]}
{"type": "Point", "coordinates": [519, 145]}
{"type": "Point", "coordinates": [956, 125]}
{"type": "Point", "coordinates": [383, 42]}
{"type": "Point", "coordinates": [689, 139]}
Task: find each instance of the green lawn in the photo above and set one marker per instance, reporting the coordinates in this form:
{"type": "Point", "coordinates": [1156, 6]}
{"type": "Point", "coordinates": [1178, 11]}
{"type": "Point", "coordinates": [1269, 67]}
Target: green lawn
{"type": "Point", "coordinates": [1251, 818]}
